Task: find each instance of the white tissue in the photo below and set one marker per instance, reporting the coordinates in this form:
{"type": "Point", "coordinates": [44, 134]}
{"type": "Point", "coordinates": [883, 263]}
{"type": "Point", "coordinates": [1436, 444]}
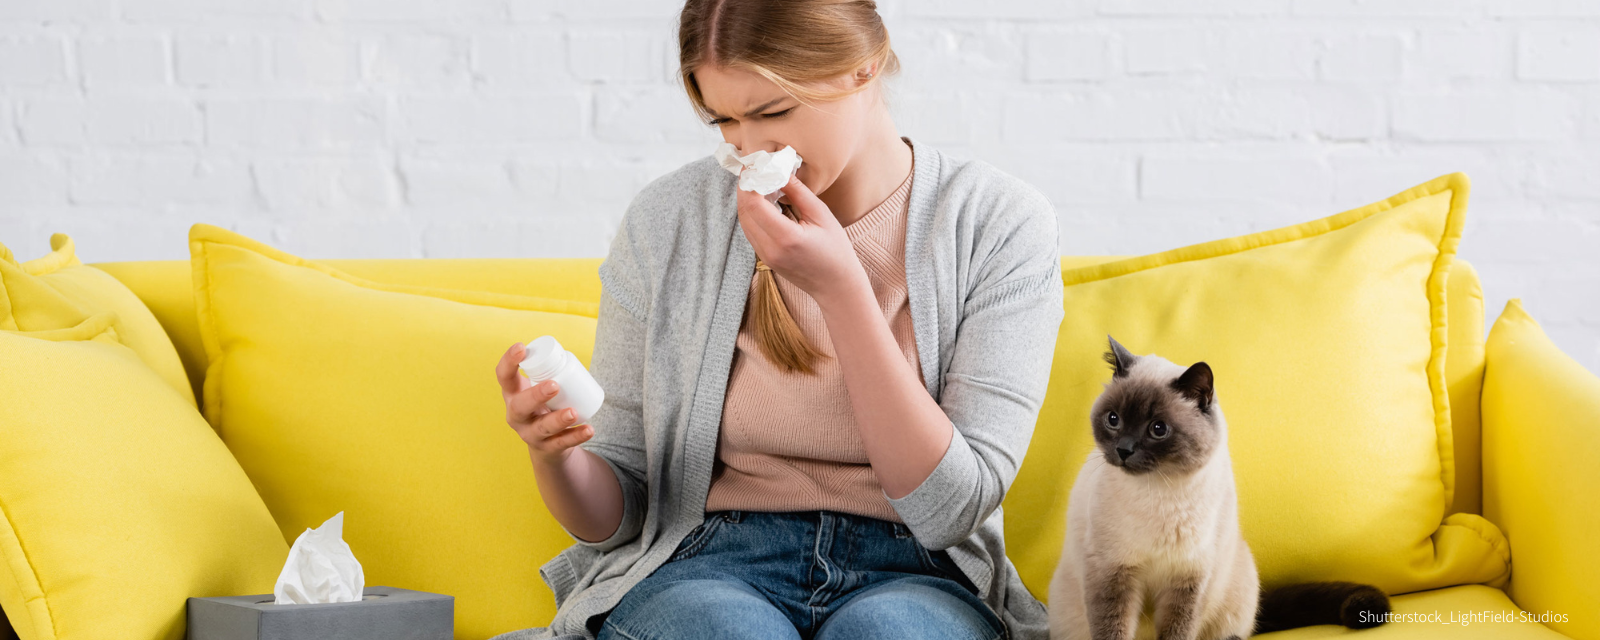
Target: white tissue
{"type": "Point", "coordinates": [321, 568]}
{"type": "Point", "coordinates": [761, 172]}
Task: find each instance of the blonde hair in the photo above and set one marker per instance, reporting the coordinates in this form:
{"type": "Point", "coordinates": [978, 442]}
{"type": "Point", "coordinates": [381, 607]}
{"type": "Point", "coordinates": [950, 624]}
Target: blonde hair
{"type": "Point", "coordinates": [793, 43]}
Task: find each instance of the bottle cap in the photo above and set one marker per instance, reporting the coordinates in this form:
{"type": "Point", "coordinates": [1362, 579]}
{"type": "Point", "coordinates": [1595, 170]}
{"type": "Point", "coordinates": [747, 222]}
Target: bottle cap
{"type": "Point", "coordinates": [543, 357]}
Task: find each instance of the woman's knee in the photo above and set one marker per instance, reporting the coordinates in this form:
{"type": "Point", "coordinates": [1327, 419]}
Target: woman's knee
{"type": "Point", "coordinates": [701, 608]}
{"type": "Point", "coordinates": [911, 608]}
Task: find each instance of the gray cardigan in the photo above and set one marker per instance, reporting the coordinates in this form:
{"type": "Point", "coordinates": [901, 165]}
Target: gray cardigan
{"type": "Point", "coordinates": [983, 275]}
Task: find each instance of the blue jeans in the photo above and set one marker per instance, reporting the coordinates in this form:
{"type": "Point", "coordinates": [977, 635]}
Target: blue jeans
{"type": "Point", "coordinates": [822, 575]}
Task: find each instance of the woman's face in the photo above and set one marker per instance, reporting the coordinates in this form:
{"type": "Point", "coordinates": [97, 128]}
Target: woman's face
{"type": "Point", "coordinates": [754, 115]}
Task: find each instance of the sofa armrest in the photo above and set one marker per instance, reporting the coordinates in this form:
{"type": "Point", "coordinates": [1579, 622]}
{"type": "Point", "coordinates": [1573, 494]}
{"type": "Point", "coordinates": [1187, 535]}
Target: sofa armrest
{"type": "Point", "coordinates": [1541, 471]}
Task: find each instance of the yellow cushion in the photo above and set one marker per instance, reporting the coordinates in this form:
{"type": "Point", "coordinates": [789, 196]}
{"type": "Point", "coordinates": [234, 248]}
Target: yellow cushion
{"type": "Point", "coordinates": [339, 393]}
{"type": "Point", "coordinates": [1541, 432]}
{"type": "Point", "coordinates": [64, 291]}
{"type": "Point", "coordinates": [1327, 339]}
{"type": "Point", "coordinates": [1471, 612]}
{"type": "Point", "coordinates": [117, 501]}
{"type": "Point", "coordinates": [167, 288]}
{"type": "Point", "coordinates": [1463, 374]}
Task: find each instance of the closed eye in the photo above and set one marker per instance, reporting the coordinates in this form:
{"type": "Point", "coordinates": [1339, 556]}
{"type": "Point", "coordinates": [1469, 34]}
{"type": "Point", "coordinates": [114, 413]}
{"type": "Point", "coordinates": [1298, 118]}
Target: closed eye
{"type": "Point", "coordinates": [774, 115]}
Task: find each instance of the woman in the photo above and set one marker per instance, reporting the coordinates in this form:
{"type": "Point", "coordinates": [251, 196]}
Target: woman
{"type": "Point", "coordinates": [810, 421]}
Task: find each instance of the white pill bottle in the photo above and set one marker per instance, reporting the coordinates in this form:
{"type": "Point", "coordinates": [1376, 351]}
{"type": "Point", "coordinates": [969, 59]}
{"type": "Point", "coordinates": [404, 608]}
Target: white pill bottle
{"type": "Point", "coordinates": [544, 359]}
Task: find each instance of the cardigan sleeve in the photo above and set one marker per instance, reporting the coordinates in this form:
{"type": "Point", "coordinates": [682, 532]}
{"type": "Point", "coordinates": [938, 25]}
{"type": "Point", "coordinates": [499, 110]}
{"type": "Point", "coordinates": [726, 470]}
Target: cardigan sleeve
{"type": "Point", "coordinates": [617, 364]}
{"type": "Point", "coordinates": [995, 384]}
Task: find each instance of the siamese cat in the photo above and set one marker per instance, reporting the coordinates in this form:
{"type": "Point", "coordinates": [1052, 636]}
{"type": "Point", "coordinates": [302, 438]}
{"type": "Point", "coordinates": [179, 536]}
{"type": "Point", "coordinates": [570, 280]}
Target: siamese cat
{"type": "Point", "coordinates": [1153, 548]}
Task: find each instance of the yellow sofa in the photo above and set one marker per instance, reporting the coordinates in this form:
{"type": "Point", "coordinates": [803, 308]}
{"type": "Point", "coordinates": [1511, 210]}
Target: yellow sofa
{"type": "Point", "coordinates": [166, 287]}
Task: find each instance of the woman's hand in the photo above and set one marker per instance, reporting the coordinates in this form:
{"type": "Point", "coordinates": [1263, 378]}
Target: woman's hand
{"type": "Point", "coordinates": [549, 434]}
{"type": "Point", "coordinates": [577, 486]}
{"type": "Point", "coordinates": [813, 253]}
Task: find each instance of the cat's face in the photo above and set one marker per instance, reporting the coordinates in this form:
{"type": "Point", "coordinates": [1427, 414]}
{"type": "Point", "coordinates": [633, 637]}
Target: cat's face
{"type": "Point", "coordinates": [1156, 415]}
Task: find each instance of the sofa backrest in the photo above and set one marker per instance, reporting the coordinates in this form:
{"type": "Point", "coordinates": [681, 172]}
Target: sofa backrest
{"type": "Point", "coordinates": [166, 286]}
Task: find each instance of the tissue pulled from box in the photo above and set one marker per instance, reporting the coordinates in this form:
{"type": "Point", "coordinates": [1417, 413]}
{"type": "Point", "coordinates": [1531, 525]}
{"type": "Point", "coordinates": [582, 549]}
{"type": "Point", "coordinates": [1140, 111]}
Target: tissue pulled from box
{"type": "Point", "coordinates": [761, 172]}
{"type": "Point", "coordinates": [321, 568]}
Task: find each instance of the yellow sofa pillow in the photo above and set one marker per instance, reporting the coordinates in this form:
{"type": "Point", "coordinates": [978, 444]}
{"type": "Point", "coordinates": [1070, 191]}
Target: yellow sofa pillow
{"type": "Point", "coordinates": [1327, 339]}
{"type": "Point", "coordinates": [339, 393]}
{"type": "Point", "coordinates": [1541, 431]}
{"type": "Point", "coordinates": [117, 501]}
{"type": "Point", "coordinates": [58, 290]}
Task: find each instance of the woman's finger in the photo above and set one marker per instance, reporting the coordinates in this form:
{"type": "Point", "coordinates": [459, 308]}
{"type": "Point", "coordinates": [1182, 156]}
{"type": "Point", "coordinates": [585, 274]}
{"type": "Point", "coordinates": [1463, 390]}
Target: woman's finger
{"type": "Point", "coordinates": [569, 439]}
{"type": "Point", "coordinates": [765, 214]}
{"type": "Point", "coordinates": [529, 403]}
{"type": "Point", "coordinates": [811, 208]}
{"type": "Point", "coordinates": [506, 370]}
{"type": "Point", "coordinates": [759, 238]}
{"type": "Point", "coordinates": [554, 422]}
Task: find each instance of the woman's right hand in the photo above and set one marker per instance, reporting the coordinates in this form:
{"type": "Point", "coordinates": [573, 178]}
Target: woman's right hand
{"type": "Point", "coordinates": [549, 434]}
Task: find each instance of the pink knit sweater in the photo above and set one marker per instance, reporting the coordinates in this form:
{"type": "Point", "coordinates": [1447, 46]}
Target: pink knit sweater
{"type": "Point", "coordinates": [789, 441]}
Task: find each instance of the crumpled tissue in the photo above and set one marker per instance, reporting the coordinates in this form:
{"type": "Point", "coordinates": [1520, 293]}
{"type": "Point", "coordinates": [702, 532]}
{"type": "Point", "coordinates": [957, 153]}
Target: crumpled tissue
{"type": "Point", "coordinates": [761, 172]}
{"type": "Point", "coordinates": [320, 568]}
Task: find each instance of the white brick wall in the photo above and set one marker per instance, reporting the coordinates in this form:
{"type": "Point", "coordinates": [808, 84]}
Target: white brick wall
{"type": "Point", "coordinates": [439, 128]}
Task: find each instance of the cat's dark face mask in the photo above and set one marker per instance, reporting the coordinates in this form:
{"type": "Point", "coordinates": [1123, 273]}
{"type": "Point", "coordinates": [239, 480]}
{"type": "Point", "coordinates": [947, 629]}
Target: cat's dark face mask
{"type": "Point", "coordinates": [1143, 424]}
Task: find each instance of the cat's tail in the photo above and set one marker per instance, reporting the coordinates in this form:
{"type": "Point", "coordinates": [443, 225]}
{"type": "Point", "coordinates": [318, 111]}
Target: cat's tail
{"type": "Point", "coordinates": [1354, 605]}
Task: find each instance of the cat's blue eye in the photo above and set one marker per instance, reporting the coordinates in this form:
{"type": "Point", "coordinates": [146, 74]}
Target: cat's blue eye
{"type": "Point", "coordinates": [1159, 429]}
{"type": "Point", "coordinates": [1111, 419]}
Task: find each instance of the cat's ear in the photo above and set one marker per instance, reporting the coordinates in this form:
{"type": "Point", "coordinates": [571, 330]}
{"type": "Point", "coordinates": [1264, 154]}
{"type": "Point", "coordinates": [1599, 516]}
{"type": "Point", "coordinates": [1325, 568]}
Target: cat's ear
{"type": "Point", "coordinates": [1196, 384]}
{"type": "Point", "coordinates": [1118, 358]}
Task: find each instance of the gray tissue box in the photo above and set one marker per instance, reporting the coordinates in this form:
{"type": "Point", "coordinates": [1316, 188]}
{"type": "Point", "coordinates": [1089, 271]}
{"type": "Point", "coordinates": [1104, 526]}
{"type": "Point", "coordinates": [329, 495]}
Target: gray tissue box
{"type": "Point", "coordinates": [384, 613]}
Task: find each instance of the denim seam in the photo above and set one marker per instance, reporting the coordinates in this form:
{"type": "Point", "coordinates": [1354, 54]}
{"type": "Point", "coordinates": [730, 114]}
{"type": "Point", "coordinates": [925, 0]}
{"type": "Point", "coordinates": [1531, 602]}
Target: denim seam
{"type": "Point", "coordinates": [622, 632]}
{"type": "Point", "coordinates": [926, 558]}
{"type": "Point", "coordinates": [707, 530]}
{"type": "Point", "coordinates": [817, 557]}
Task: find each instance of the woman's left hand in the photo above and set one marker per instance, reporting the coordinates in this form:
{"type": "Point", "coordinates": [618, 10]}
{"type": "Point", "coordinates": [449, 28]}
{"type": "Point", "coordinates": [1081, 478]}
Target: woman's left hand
{"type": "Point", "coordinates": [813, 253]}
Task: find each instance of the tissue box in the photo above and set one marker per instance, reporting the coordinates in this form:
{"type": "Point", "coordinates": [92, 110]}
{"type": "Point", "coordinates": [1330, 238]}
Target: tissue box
{"type": "Point", "coordinates": [384, 613]}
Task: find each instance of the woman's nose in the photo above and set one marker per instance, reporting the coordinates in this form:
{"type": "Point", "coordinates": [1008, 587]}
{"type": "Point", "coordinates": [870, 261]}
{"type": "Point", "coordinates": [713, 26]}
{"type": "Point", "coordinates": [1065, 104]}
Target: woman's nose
{"type": "Point", "coordinates": [748, 146]}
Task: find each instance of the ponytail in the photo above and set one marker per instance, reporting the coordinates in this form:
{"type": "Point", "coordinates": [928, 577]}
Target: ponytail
{"type": "Point", "coordinates": [776, 332]}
